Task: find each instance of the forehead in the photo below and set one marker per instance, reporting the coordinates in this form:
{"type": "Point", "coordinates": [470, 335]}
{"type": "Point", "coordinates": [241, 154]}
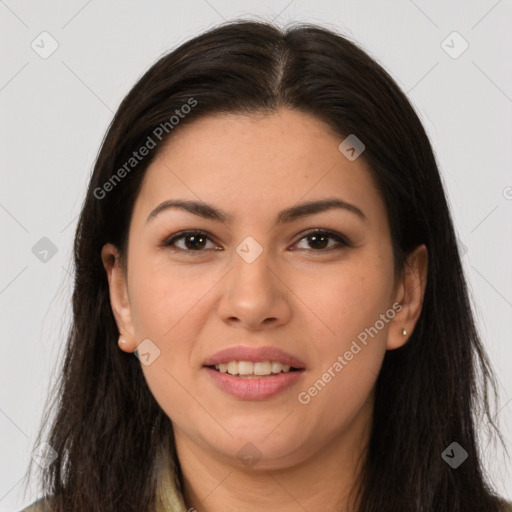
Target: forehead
{"type": "Point", "coordinates": [261, 162]}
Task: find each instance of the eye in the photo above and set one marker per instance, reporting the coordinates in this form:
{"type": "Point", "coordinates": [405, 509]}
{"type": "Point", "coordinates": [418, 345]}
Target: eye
{"type": "Point", "coordinates": [190, 241]}
{"type": "Point", "coordinates": [319, 240]}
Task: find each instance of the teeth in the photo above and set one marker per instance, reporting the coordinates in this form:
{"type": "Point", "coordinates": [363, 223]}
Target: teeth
{"type": "Point", "coordinates": [277, 367]}
{"type": "Point", "coordinates": [245, 368]}
{"type": "Point", "coordinates": [263, 368]}
{"type": "Point", "coordinates": [248, 368]}
{"type": "Point", "coordinates": [233, 367]}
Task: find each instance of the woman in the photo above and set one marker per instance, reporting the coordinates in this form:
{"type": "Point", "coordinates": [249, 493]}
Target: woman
{"type": "Point", "coordinates": [266, 230]}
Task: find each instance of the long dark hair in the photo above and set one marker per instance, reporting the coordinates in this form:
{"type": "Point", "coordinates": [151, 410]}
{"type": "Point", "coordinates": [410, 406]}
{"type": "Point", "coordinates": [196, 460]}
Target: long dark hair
{"type": "Point", "coordinates": [109, 432]}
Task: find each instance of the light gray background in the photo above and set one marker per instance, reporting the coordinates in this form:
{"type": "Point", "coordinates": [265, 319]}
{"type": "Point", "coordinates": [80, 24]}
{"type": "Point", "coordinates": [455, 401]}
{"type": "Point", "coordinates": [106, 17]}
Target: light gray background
{"type": "Point", "coordinates": [55, 112]}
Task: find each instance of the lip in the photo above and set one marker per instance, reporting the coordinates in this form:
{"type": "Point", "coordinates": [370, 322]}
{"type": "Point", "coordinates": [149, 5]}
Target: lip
{"type": "Point", "coordinates": [254, 388]}
{"type": "Point", "coordinates": [254, 354]}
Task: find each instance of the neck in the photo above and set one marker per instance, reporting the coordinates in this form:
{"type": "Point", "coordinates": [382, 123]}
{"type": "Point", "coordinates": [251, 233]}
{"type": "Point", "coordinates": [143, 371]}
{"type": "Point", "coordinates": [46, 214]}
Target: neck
{"type": "Point", "coordinates": [324, 481]}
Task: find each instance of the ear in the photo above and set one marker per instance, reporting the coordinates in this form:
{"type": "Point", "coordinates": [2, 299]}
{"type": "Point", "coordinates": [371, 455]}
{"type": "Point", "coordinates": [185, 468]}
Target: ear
{"type": "Point", "coordinates": [409, 293]}
{"type": "Point", "coordinates": [119, 299]}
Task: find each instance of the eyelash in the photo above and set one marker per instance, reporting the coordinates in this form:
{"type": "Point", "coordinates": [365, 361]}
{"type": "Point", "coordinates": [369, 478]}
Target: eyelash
{"type": "Point", "coordinates": [341, 240]}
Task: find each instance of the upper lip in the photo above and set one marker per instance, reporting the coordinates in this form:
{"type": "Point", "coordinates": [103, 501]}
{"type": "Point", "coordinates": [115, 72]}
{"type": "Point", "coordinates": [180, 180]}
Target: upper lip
{"type": "Point", "coordinates": [254, 354]}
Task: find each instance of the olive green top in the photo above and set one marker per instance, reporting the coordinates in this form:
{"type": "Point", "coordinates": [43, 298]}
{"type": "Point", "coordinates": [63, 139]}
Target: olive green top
{"type": "Point", "coordinates": [41, 506]}
{"type": "Point", "coordinates": [169, 496]}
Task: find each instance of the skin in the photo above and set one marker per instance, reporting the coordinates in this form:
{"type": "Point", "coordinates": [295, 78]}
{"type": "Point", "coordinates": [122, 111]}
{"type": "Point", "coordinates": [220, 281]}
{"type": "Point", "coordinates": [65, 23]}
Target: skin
{"type": "Point", "coordinates": [310, 303]}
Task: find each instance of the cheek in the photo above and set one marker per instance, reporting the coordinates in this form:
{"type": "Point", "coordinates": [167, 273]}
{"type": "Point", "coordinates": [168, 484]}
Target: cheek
{"type": "Point", "coordinates": [348, 298]}
{"type": "Point", "coordinates": [172, 317]}
{"type": "Point", "coordinates": [169, 307]}
{"type": "Point", "coordinates": [335, 398]}
{"type": "Point", "coordinates": [165, 297]}
{"type": "Point", "coordinates": [353, 305]}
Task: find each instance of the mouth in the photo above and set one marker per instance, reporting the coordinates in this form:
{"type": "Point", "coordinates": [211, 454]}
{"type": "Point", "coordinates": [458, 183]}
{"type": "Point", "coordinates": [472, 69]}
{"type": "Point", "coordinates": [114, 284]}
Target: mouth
{"type": "Point", "coordinates": [254, 370]}
{"type": "Point", "coordinates": [254, 373]}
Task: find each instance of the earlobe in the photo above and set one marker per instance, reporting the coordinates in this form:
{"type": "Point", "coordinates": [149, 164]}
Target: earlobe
{"type": "Point", "coordinates": [410, 295]}
{"type": "Point", "coordinates": [119, 299]}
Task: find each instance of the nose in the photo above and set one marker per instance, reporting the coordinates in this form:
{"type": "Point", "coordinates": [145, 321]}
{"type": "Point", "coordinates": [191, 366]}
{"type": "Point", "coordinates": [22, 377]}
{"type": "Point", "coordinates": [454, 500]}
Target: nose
{"type": "Point", "coordinates": [254, 295]}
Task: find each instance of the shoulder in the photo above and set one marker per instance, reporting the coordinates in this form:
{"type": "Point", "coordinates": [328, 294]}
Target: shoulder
{"type": "Point", "coordinates": [40, 505]}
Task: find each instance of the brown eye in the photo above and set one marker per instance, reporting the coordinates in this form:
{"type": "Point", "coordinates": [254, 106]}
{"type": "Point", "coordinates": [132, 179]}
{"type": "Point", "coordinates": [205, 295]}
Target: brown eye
{"type": "Point", "coordinates": [195, 242]}
{"type": "Point", "coordinates": [319, 240]}
{"type": "Point", "coordinates": [192, 241]}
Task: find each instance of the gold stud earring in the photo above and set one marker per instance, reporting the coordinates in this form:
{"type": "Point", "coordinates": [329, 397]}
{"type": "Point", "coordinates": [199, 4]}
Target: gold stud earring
{"type": "Point", "coordinates": [404, 332]}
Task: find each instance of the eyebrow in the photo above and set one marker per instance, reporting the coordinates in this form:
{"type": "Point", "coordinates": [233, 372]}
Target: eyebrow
{"type": "Point", "coordinates": [290, 214]}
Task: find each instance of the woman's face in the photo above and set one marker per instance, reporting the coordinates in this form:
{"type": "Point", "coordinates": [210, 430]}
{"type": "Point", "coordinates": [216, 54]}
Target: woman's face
{"type": "Point", "coordinates": [253, 278]}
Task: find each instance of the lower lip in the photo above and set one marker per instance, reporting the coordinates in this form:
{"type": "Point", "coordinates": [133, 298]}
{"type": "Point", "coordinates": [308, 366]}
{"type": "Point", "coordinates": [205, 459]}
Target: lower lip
{"type": "Point", "coordinates": [254, 388]}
